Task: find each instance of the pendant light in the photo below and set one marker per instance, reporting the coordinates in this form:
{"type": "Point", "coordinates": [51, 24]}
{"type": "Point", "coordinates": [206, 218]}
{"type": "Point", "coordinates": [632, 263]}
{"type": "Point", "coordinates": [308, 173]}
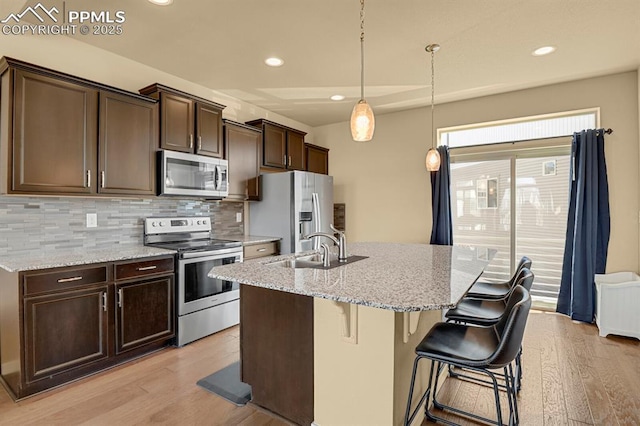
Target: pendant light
{"type": "Point", "coordinates": [363, 122]}
{"type": "Point", "coordinates": [433, 157]}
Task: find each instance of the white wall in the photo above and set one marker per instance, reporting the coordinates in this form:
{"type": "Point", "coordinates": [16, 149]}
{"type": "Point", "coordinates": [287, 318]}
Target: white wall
{"type": "Point", "coordinates": [386, 187]}
{"type": "Point", "coordinates": [67, 55]}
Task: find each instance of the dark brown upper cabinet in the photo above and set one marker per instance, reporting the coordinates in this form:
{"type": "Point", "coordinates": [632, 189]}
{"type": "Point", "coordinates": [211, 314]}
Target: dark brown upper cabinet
{"type": "Point", "coordinates": [242, 149]}
{"type": "Point", "coordinates": [128, 141]}
{"type": "Point", "coordinates": [317, 159]}
{"type": "Point", "coordinates": [67, 135]}
{"type": "Point", "coordinates": [188, 123]}
{"type": "Point", "coordinates": [282, 147]}
{"type": "Point", "coordinates": [50, 129]}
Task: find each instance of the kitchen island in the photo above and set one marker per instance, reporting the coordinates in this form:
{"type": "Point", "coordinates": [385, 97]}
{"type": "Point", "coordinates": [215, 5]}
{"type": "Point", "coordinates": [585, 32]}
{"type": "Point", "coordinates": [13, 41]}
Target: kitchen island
{"type": "Point", "coordinates": [367, 318]}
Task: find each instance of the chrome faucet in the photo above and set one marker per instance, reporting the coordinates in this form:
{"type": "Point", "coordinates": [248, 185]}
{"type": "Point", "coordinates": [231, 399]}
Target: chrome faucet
{"type": "Point", "coordinates": [341, 241]}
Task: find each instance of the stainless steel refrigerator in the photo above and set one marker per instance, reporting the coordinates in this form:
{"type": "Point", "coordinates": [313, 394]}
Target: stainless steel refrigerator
{"type": "Point", "coordinates": [294, 204]}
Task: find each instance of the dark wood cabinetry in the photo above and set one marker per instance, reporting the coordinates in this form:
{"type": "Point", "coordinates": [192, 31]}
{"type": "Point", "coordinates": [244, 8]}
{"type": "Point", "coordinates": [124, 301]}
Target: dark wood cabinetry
{"type": "Point", "coordinates": [61, 324]}
{"type": "Point", "coordinates": [188, 123]}
{"type": "Point", "coordinates": [317, 159]}
{"type": "Point", "coordinates": [67, 135]}
{"type": "Point", "coordinates": [276, 351]}
{"type": "Point", "coordinates": [242, 150]}
{"type": "Point", "coordinates": [54, 133]}
{"type": "Point", "coordinates": [128, 141]}
{"type": "Point", "coordinates": [282, 147]}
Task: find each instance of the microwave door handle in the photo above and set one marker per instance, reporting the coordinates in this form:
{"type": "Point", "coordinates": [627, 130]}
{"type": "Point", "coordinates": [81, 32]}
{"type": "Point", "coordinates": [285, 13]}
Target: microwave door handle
{"type": "Point", "coordinates": [216, 178]}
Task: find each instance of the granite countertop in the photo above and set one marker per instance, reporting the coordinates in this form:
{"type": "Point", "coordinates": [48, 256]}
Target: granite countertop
{"type": "Point", "coordinates": [399, 277]}
{"type": "Point", "coordinates": [250, 239]}
{"type": "Point", "coordinates": [29, 262]}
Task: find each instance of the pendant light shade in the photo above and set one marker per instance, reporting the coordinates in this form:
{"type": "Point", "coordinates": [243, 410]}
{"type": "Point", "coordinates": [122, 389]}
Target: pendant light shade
{"type": "Point", "coordinates": [432, 161]}
{"type": "Point", "coordinates": [363, 122]}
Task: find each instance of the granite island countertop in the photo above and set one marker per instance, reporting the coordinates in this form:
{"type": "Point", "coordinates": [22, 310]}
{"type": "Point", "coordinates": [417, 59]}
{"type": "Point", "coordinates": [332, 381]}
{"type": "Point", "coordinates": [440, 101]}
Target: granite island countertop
{"type": "Point", "coordinates": [73, 257]}
{"type": "Point", "coordinates": [395, 276]}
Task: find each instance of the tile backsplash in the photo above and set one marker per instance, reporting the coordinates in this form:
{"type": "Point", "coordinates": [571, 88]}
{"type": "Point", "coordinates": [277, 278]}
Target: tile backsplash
{"type": "Point", "coordinates": [41, 224]}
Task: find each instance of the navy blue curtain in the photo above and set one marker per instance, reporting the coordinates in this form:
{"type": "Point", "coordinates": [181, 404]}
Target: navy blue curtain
{"type": "Point", "coordinates": [588, 226]}
{"type": "Point", "coordinates": [442, 230]}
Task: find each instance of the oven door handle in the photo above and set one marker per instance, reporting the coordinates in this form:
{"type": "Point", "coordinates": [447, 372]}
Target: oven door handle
{"type": "Point", "coordinates": [216, 254]}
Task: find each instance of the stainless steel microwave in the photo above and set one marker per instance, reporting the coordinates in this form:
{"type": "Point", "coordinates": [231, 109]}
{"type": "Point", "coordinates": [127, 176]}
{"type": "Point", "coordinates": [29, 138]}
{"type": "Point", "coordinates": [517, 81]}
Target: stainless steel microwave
{"type": "Point", "coordinates": [192, 175]}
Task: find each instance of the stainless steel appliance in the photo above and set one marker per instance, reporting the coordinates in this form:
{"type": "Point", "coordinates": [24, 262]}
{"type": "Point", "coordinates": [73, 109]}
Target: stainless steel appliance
{"type": "Point", "coordinates": [204, 305]}
{"type": "Point", "coordinates": [193, 175]}
{"type": "Point", "coordinates": [294, 204]}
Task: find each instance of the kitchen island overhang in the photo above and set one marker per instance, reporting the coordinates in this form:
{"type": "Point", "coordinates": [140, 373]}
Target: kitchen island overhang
{"type": "Point", "coordinates": [368, 318]}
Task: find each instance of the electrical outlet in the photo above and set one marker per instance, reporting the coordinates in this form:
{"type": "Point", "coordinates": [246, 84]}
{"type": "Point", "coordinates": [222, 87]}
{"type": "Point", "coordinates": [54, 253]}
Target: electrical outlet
{"type": "Point", "coordinates": [238, 217]}
{"type": "Point", "coordinates": [92, 220]}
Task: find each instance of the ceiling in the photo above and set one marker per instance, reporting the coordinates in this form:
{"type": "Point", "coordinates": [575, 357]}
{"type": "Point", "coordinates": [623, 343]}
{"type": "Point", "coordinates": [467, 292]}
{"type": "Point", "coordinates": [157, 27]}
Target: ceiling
{"type": "Point", "coordinates": [486, 47]}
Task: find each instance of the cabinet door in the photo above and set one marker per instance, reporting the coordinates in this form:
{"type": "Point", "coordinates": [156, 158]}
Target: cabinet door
{"type": "Point", "coordinates": [242, 150]}
{"type": "Point", "coordinates": [54, 135]}
{"type": "Point", "coordinates": [144, 312]}
{"type": "Point", "coordinates": [128, 141]}
{"type": "Point", "coordinates": [317, 159]}
{"type": "Point", "coordinates": [295, 151]}
{"type": "Point", "coordinates": [64, 331]}
{"type": "Point", "coordinates": [176, 123]}
{"type": "Point", "coordinates": [275, 146]}
{"type": "Point", "coordinates": [209, 130]}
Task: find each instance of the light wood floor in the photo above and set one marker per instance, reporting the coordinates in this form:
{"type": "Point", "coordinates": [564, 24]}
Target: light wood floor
{"type": "Point", "coordinates": [571, 376]}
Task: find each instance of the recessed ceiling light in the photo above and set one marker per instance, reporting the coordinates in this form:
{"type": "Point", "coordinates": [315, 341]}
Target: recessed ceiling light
{"type": "Point", "coordinates": [541, 51]}
{"type": "Point", "coordinates": [337, 98]}
{"type": "Point", "coordinates": [274, 62]}
{"type": "Point", "coordinates": [162, 2]}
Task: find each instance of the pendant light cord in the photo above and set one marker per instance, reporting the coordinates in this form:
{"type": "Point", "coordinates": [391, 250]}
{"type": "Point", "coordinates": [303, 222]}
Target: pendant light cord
{"type": "Point", "coordinates": [361, 49]}
{"type": "Point", "coordinates": [433, 91]}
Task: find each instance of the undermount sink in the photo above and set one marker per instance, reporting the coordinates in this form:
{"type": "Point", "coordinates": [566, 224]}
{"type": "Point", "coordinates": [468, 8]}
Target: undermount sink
{"type": "Point", "coordinates": [314, 261]}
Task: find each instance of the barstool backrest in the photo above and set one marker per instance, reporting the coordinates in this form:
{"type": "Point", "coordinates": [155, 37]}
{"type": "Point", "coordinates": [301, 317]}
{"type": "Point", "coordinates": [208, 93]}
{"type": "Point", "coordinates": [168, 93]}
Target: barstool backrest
{"type": "Point", "coordinates": [524, 262]}
{"type": "Point", "coordinates": [511, 327]}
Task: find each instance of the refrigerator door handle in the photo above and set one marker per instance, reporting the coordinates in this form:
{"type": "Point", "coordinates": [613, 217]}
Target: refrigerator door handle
{"type": "Point", "coordinates": [316, 218]}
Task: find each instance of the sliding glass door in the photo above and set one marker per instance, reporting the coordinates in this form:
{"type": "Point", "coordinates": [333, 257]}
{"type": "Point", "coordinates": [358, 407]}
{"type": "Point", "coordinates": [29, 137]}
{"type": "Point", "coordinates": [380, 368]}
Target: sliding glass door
{"type": "Point", "coordinates": [530, 223]}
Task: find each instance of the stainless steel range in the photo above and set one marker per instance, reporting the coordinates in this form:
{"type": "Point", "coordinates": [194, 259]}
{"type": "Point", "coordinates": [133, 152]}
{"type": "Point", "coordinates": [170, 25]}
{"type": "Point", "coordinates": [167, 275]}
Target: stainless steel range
{"type": "Point", "coordinates": [204, 305]}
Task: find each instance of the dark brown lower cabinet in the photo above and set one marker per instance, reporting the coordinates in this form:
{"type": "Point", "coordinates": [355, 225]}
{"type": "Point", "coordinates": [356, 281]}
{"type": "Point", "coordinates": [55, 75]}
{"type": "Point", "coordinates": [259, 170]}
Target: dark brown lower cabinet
{"type": "Point", "coordinates": [61, 324]}
{"type": "Point", "coordinates": [145, 312]}
{"type": "Point", "coordinates": [276, 351]}
{"type": "Point", "coordinates": [65, 331]}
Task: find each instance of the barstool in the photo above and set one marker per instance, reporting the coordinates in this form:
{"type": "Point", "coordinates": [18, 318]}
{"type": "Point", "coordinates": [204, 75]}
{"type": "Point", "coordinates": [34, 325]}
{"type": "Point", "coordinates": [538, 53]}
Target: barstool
{"type": "Point", "coordinates": [496, 291]}
{"type": "Point", "coordinates": [485, 312]}
{"type": "Point", "coordinates": [477, 348]}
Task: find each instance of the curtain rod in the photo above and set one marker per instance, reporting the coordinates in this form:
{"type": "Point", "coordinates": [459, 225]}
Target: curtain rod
{"type": "Point", "coordinates": [609, 131]}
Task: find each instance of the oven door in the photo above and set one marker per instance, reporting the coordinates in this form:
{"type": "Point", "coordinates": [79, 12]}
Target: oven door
{"type": "Point", "coordinates": [196, 290]}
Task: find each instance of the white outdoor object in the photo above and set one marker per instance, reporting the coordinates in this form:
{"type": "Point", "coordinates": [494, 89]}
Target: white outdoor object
{"type": "Point", "coordinates": [618, 304]}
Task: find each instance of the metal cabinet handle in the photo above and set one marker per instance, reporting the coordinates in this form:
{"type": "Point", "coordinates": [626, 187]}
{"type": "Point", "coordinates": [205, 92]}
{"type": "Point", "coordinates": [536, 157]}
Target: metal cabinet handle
{"type": "Point", "coordinates": [146, 268]}
{"type": "Point", "coordinates": [88, 179]}
{"type": "Point", "coordinates": [289, 160]}
{"type": "Point", "coordinates": [199, 143]}
{"type": "Point", "coordinates": [191, 140]}
{"type": "Point", "coordinates": [261, 249]}
{"type": "Point", "coordinates": [120, 298]}
{"type": "Point", "coordinates": [68, 280]}
{"type": "Point", "coordinates": [102, 179]}
{"type": "Point", "coordinates": [104, 301]}
{"type": "Point", "coordinates": [285, 161]}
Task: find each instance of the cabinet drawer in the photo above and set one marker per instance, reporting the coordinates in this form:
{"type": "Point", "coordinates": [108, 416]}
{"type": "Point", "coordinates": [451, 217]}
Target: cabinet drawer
{"type": "Point", "coordinates": [260, 250]}
{"type": "Point", "coordinates": [143, 267]}
{"type": "Point", "coordinates": [62, 279]}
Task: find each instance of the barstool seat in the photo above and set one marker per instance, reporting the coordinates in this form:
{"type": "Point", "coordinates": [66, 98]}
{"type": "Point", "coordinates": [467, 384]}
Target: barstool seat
{"type": "Point", "coordinates": [495, 291]}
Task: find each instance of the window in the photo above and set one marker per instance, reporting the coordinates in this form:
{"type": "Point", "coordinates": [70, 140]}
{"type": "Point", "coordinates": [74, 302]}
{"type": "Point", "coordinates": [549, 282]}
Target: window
{"type": "Point", "coordinates": [514, 196]}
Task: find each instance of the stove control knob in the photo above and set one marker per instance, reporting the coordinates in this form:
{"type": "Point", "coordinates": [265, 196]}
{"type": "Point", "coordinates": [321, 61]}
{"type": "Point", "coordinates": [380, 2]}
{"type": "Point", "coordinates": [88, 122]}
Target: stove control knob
{"type": "Point", "coordinates": [198, 222]}
{"type": "Point", "coordinates": [161, 224]}
{"type": "Point", "coordinates": [154, 224]}
{"type": "Point", "coordinates": [204, 221]}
